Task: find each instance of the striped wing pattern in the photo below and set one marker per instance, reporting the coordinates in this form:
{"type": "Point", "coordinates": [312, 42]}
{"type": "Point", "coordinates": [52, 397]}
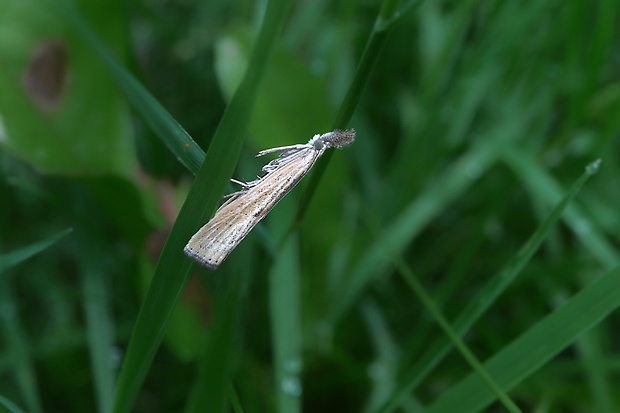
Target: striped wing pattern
{"type": "Point", "coordinates": [212, 244]}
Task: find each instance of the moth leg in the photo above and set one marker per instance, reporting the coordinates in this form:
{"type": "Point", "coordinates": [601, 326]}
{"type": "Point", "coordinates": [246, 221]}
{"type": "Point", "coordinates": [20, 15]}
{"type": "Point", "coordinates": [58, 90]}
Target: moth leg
{"type": "Point", "coordinates": [244, 185]}
{"type": "Point", "coordinates": [282, 149]}
{"type": "Point", "coordinates": [233, 195]}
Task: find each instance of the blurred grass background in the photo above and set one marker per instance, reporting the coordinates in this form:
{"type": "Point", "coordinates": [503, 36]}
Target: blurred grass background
{"type": "Point", "coordinates": [475, 121]}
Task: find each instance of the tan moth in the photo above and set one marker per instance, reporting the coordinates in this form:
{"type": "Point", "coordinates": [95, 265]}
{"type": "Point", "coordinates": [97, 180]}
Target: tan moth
{"type": "Point", "coordinates": [214, 242]}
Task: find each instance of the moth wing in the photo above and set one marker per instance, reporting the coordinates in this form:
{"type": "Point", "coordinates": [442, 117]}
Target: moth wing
{"type": "Point", "coordinates": [217, 238]}
{"type": "Point", "coordinates": [212, 244]}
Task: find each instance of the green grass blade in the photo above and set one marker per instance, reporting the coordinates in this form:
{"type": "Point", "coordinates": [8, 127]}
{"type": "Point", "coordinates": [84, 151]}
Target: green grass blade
{"type": "Point", "coordinates": [287, 335]}
{"type": "Point", "coordinates": [285, 307]}
{"type": "Point", "coordinates": [173, 267]}
{"type": "Point", "coordinates": [385, 367]}
{"type": "Point", "coordinates": [99, 330]}
{"type": "Point", "coordinates": [544, 187]}
{"type": "Point", "coordinates": [590, 348]}
{"type": "Point", "coordinates": [211, 390]}
{"type": "Point", "coordinates": [537, 346]}
{"type": "Point", "coordinates": [13, 258]}
{"type": "Point", "coordinates": [9, 405]}
{"type": "Point", "coordinates": [411, 221]}
{"type": "Point", "coordinates": [487, 296]}
{"type": "Point", "coordinates": [17, 348]}
{"type": "Point", "coordinates": [453, 335]}
{"type": "Point", "coordinates": [234, 400]}
{"type": "Point", "coordinates": [390, 13]}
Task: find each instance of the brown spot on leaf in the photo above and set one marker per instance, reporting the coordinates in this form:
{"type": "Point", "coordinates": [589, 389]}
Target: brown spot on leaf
{"type": "Point", "coordinates": [45, 78]}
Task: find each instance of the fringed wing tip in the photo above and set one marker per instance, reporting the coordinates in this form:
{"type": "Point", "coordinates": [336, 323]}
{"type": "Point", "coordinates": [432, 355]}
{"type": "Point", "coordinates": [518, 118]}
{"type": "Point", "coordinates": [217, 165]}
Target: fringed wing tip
{"type": "Point", "coordinates": [200, 259]}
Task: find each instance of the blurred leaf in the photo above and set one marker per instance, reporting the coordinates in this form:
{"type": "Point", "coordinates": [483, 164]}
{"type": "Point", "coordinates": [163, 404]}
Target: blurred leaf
{"type": "Point", "coordinates": [186, 335]}
{"type": "Point", "coordinates": [537, 346]}
{"type": "Point", "coordinates": [58, 109]}
{"type": "Point", "coordinates": [276, 121]}
{"type": "Point", "coordinates": [10, 406]}
{"type": "Point", "coordinates": [99, 328]}
{"type": "Point", "coordinates": [448, 187]}
{"type": "Point", "coordinates": [545, 187]}
{"type": "Point", "coordinates": [285, 314]}
{"type": "Point", "coordinates": [155, 115]}
{"type": "Point", "coordinates": [13, 258]}
{"type": "Point", "coordinates": [125, 203]}
{"type": "Point", "coordinates": [17, 348]}
{"type": "Point", "coordinates": [487, 295]}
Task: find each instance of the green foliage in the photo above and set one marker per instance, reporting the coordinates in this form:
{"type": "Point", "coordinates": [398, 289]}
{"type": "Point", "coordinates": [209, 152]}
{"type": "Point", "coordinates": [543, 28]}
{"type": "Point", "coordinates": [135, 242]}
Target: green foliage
{"type": "Point", "coordinates": [460, 256]}
{"type": "Point", "coordinates": [48, 73]}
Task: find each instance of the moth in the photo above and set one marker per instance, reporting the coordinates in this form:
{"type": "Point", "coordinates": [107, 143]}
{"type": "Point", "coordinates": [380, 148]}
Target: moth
{"type": "Point", "coordinates": [214, 242]}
